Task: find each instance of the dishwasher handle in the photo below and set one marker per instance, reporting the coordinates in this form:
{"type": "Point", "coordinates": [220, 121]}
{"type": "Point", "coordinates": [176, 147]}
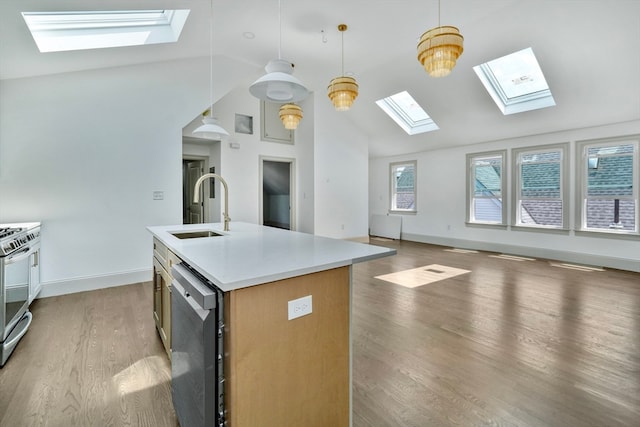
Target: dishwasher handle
{"type": "Point", "coordinates": [179, 292]}
{"type": "Point", "coordinates": [193, 287]}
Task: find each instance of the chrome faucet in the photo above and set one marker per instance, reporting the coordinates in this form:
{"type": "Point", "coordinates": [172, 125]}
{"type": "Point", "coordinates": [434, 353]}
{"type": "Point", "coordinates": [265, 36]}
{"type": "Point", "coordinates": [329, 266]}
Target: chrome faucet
{"type": "Point", "coordinates": [196, 195]}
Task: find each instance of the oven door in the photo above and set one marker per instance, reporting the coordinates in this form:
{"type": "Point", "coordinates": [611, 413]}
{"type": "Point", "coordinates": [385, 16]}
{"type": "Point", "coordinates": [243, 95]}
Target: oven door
{"type": "Point", "coordinates": [14, 287]}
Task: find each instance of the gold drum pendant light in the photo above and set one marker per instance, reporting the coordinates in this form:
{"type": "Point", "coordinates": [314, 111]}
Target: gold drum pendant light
{"type": "Point", "coordinates": [290, 114]}
{"type": "Point", "coordinates": [439, 49]}
{"type": "Point", "coordinates": [342, 90]}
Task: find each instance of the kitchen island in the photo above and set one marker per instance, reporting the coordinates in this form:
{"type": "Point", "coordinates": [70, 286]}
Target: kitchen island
{"type": "Point", "coordinates": [287, 318]}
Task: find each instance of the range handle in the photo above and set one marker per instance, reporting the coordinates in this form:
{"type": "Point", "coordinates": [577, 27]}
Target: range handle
{"type": "Point", "coordinates": [17, 256]}
{"type": "Point", "coordinates": [16, 338]}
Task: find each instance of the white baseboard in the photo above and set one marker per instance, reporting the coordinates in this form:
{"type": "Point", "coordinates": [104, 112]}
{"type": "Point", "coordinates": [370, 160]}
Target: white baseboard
{"type": "Point", "coordinates": [552, 254]}
{"type": "Point", "coordinates": [91, 283]}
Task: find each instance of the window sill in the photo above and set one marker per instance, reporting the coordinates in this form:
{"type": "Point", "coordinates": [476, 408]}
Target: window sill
{"type": "Point", "coordinates": [486, 225]}
{"type": "Point", "coordinates": [608, 234]}
{"type": "Point", "coordinates": [392, 212]}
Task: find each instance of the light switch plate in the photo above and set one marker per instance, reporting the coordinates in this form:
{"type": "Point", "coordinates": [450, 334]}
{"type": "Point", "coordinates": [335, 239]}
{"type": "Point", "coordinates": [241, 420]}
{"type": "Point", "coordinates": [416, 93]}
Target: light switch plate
{"type": "Point", "coordinates": [158, 195]}
{"type": "Point", "coordinates": [300, 307]}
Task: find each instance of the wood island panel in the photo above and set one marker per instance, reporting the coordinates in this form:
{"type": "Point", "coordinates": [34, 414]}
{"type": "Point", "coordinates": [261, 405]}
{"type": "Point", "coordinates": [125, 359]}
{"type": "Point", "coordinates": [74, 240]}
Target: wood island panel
{"type": "Point", "coordinates": [282, 372]}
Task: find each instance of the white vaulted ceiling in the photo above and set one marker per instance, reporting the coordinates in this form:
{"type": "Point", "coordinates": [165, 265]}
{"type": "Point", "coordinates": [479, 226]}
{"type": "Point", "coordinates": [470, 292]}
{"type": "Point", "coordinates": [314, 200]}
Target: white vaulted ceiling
{"type": "Point", "coordinates": [589, 51]}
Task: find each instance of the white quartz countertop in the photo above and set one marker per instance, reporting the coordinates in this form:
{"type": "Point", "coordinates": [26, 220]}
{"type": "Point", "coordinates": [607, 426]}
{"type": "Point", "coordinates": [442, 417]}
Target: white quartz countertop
{"type": "Point", "coordinates": [252, 254]}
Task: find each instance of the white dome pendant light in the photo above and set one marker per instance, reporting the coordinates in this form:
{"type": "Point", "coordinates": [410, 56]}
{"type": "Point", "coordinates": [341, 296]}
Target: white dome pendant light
{"type": "Point", "coordinates": [279, 85]}
{"type": "Point", "coordinates": [210, 128]}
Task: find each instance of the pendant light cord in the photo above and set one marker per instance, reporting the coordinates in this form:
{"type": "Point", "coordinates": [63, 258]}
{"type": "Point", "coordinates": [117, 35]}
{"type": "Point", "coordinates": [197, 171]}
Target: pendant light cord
{"type": "Point", "coordinates": [342, 34]}
{"type": "Point", "coordinates": [211, 60]}
{"type": "Point", "coordinates": [439, 13]}
{"type": "Point", "coordinates": [279, 29]}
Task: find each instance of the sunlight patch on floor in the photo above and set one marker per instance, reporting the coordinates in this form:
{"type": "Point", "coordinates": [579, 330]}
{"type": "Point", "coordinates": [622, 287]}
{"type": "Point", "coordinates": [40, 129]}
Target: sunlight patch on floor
{"type": "Point", "coordinates": [575, 266]}
{"type": "Point", "coordinates": [143, 374]}
{"type": "Point", "coordinates": [422, 275]}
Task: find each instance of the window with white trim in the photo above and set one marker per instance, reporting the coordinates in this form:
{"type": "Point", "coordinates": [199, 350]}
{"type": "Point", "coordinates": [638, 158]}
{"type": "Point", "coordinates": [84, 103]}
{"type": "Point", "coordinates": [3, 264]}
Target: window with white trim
{"type": "Point", "coordinates": [403, 186]}
{"type": "Point", "coordinates": [540, 180]}
{"type": "Point", "coordinates": [486, 188]}
{"type": "Point", "coordinates": [608, 176]}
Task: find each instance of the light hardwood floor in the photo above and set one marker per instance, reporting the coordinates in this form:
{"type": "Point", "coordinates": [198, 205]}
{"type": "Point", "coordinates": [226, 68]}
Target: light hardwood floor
{"type": "Point", "coordinates": [512, 343]}
{"type": "Point", "coordinates": [89, 359]}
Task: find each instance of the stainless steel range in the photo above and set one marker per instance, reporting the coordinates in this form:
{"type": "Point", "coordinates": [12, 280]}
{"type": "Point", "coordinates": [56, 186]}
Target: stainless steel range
{"type": "Point", "coordinates": [19, 281]}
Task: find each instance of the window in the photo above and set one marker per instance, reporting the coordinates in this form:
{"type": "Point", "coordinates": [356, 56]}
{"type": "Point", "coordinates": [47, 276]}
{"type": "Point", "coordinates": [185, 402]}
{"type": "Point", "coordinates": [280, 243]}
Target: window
{"type": "Point", "coordinates": [407, 113]}
{"type": "Point", "coordinates": [77, 30]}
{"type": "Point", "coordinates": [540, 187]}
{"type": "Point", "coordinates": [608, 177]}
{"type": "Point", "coordinates": [486, 188]}
{"type": "Point", "coordinates": [516, 82]}
{"type": "Point", "coordinates": [403, 186]}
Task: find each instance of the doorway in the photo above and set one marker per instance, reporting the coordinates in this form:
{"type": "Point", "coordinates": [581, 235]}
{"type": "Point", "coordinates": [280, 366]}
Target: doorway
{"type": "Point", "coordinates": [193, 213]}
{"type": "Point", "coordinates": [277, 182]}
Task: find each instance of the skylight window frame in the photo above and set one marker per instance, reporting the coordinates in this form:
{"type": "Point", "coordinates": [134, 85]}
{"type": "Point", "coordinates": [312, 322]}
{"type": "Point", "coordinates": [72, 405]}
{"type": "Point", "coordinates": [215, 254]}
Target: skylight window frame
{"type": "Point", "coordinates": [44, 21]}
{"type": "Point", "coordinates": [82, 30]}
{"type": "Point", "coordinates": [517, 104]}
{"type": "Point", "coordinates": [393, 109]}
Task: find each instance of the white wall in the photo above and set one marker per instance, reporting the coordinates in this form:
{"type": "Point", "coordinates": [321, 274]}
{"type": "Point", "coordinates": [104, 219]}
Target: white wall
{"type": "Point", "coordinates": [441, 205]}
{"type": "Point", "coordinates": [83, 153]}
{"type": "Point", "coordinates": [240, 167]}
{"type": "Point", "coordinates": [305, 167]}
{"type": "Point", "coordinates": [331, 161]}
{"type": "Point", "coordinates": [341, 186]}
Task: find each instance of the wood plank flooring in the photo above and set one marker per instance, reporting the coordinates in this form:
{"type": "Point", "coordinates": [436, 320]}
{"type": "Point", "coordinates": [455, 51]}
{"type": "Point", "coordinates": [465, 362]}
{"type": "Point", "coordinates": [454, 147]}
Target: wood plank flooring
{"type": "Point", "coordinates": [89, 359]}
{"type": "Point", "coordinates": [512, 343]}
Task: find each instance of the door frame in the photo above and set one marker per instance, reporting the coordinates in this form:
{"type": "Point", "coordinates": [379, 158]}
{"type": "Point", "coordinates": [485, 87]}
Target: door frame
{"type": "Point", "coordinates": [292, 187]}
{"type": "Point", "coordinates": [205, 187]}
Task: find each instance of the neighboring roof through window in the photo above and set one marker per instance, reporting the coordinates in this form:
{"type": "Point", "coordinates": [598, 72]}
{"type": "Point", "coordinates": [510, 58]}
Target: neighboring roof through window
{"type": "Point", "coordinates": [78, 30]}
{"type": "Point", "coordinates": [407, 113]}
{"type": "Point", "coordinates": [516, 82]}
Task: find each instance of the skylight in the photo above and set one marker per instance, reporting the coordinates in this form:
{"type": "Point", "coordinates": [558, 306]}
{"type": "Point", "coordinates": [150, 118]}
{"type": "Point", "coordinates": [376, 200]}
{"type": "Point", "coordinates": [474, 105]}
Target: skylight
{"type": "Point", "coordinates": [407, 113]}
{"type": "Point", "coordinates": [515, 82]}
{"type": "Point", "coordinates": [62, 31]}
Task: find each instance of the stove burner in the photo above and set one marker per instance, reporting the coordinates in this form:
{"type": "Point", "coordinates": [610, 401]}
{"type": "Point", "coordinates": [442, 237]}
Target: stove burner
{"type": "Point", "coordinates": [8, 231]}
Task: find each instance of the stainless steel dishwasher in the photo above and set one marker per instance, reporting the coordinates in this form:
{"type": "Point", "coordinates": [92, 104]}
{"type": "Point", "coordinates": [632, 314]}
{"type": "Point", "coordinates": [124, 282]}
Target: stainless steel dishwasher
{"type": "Point", "coordinates": [197, 358]}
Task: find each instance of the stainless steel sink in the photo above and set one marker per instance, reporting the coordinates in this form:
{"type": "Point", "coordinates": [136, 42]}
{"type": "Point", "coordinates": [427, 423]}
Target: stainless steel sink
{"type": "Point", "coordinates": [195, 234]}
